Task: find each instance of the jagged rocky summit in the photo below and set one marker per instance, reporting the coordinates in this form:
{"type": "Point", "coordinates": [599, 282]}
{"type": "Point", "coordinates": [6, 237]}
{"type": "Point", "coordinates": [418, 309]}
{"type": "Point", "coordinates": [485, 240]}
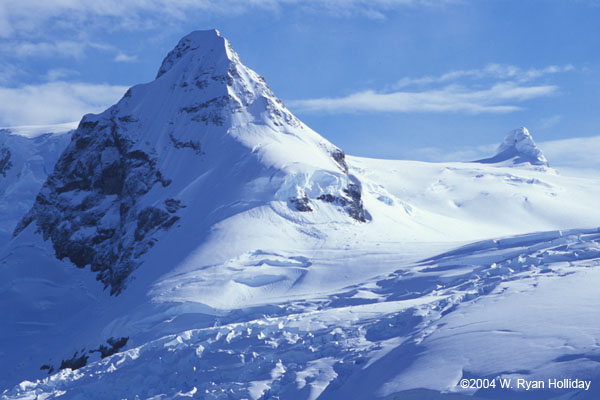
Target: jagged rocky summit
{"type": "Point", "coordinates": [205, 134]}
{"type": "Point", "coordinates": [518, 148]}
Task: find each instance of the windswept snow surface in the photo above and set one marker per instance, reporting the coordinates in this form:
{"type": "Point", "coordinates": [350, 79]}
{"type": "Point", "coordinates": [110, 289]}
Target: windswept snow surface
{"type": "Point", "coordinates": [289, 270]}
{"type": "Point", "coordinates": [518, 308]}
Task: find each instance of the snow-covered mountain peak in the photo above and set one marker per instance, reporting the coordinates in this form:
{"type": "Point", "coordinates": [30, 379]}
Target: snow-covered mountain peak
{"type": "Point", "coordinates": [204, 64]}
{"type": "Point", "coordinates": [206, 45]}
{"type": "Point", "coordinates": [518, 147]}
{"type": "Point", "coordinates": [521, 141]}
{"type": "Point", "coordinates": [205, 140]}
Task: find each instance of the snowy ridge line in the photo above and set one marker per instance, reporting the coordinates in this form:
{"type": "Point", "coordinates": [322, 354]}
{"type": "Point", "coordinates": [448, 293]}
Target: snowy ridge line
{"type": "Point", "coordinates": [522, 240]}
{"type": "Point", "coordinates": [334, 340]}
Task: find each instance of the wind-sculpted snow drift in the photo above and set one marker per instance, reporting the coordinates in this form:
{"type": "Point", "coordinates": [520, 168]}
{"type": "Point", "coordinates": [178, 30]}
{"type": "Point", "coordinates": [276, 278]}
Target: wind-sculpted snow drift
{"type": "Point", "coordinates": [242, 256]}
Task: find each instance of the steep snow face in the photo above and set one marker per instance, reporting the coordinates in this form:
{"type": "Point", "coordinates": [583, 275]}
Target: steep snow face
{"type": "Point", "coordinates": [518, 148]}
{"type": "Point", "coordinates": [207, 126]}
{"type": "Point", "coordinates": [25, 163]}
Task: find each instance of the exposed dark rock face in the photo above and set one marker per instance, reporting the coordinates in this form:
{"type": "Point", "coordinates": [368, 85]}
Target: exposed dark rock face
{"type": "Point", "coordinates": [114, 345]}
{"type": "Point", "coordinates": [351, 202]}
{"type": "Point", "coordinates": [172, 205]}
{"type": "Point", "coordinates": [301, 204]}
{"type": "Point", "coordinates": [340, 158]}
{"type": "Point", "coordinates": [89, 208]}
{"type": "Point", "coordinates": [50, 368]}
{"type": "Point", "coordinates": [76, 362]}
{"type": "Point", "coordinates": [5, 163]}
{"type": "Point", "coordinates": [80, 358]}
{"type": "Point", "coordinates": [191, 144]}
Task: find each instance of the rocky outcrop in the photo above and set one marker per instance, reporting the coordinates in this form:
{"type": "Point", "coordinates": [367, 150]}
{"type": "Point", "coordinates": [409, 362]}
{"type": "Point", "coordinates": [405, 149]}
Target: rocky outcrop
{"type": "Point", "coordinates": [5, 163]}
{"type": "Point", "coordinates": [350, 201]}
{"type": "Point", "coordinates": [89, 206]}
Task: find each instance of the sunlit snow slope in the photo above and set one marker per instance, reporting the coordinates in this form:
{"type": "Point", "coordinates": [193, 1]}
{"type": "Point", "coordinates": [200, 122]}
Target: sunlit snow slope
{"type": "Point", "coordinates": [197, 240]}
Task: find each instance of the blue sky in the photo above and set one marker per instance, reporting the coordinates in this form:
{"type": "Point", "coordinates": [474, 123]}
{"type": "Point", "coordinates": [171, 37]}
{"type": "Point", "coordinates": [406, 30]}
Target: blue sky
{"type": "Point", "coordinates": [382, 78]}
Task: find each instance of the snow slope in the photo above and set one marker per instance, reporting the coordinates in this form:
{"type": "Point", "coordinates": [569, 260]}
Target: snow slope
{"type": "Point", "coordinates": [469, 201]}
{"type": "Point", "coordinates": [523, 307]}
{"type": "Point", "coordinates": [240, 255]}
{"type": "Point", "coordinates": [25, 163]}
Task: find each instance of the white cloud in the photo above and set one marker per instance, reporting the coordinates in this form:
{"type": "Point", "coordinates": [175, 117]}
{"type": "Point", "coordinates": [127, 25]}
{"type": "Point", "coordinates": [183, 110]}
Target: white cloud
{"type": "Point", "coordinates": [508, 85]}
{"type": "Point", "coordinates": [37, 130]}
{"type": "Point", "coordinates": [52, 49]}
{"type": "Point", "coordinates": [549, 122]}
{"type": "Point", "coordinates": [54, 102]}
{"type": "Point", "coordinates": [8, 72]}
{"type": "Point", "coordinates": [62, 48]}
{"type": "Point", "coordinates": [500, 98]}
{"type": "Point", "coordinates": [26, 16]}
{"type": "Point", "coordinates": [122, 57]}
{"type": "Point", "coordinates": [56, 74]}
{"type": "Point", "coordinates": [490, 71]}
{"type": "Point", "coordinates": [580, 153]}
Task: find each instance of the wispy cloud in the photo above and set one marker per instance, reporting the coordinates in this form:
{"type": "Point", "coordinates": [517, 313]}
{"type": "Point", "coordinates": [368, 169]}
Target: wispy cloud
{"type": "Point", "coordinates": [57, 74]}
{"type": "Point", "coordinates": [500, 98]}
{"type": "Point", "coordinates": [61, 48]}
{"type": "Point", "coordinates": [580, 153]}
{"type": "Point", "coordinates": [549, 122]}
{"type": "Point", "coordinates": [122, 57]}
{"type": "Point", "coordinates": [26, 16]}
{"type": "Point", "coordinates": [494, 89]}
{"type": "Point", "coordinates": [54, 102]}
{"type": "Point", "coordinates": [37, 130]}
{"type": "Point", "coordinates": [490, 71]}
{"type": "Point", "coordinates": [373, 9]}
{"type": "Point", "coordinates": [8, 72]}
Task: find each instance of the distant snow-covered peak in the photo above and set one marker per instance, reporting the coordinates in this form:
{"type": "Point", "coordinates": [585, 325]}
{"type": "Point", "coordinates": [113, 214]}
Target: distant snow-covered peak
{"type": "Point", "coordinates": [518, 147]}
{"type": "Point", "coordinates": [520, 141]}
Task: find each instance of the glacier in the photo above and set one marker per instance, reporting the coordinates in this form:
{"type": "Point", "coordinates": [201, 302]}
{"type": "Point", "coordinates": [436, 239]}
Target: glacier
{"type": "Point", "coordinates": [198, 240]}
